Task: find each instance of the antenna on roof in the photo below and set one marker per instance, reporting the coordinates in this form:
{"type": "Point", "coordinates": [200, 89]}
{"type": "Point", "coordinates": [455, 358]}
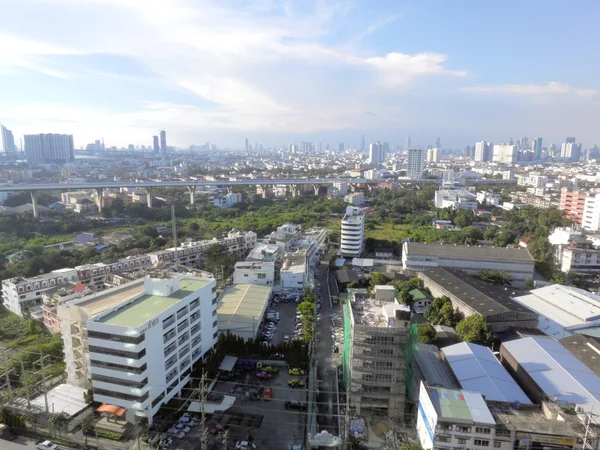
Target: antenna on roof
{"type": "Point", "coordinates": [174, 227]}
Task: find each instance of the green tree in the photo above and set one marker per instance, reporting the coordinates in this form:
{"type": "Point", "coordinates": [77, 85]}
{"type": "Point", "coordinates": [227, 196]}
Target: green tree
{"type": "Point", "coordinates": [441, 312]}
{"type": "Point", "coordinates": [475, 329]}
{"type": "Point", "coordinates": [448, 316]}
{"type": "Point", "coordinates": [492, 276]}
{"type": "Point", "coordinates": [219, 261]}
{"type": "Point", "coordinates": [427, 333]}
{"type": "Point", "coordinates": [376, 279]}
{"type": "Point", "coordinates": [355, 443]}
{"type": "Point", "coordinates": [529, 283]}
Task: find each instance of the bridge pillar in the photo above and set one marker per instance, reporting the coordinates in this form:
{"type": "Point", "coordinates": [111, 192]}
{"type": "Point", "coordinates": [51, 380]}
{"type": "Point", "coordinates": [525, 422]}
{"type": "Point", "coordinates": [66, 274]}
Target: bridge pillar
{"type": "Point", "coordinates": [149, 197]}
{"type": "Point", "coordinates": [229, 189]}
{"type": "Point", "coordinates": [264, 190]}
{"type": "Point", "coordinates": [99, 199]}
{"type": "Point", "coordinates": [192, 190]}
{"type": "Point", "coordinates": [34, 204]}
{"type": "Point", "coordinates": [316, 187]}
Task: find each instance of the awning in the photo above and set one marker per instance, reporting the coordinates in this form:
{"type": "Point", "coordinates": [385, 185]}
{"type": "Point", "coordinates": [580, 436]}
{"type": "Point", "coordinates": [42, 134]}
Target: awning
{"type": "Point", "coordinates": [228, 363]}
{"type": "Point", "coordinates": [112, 409]}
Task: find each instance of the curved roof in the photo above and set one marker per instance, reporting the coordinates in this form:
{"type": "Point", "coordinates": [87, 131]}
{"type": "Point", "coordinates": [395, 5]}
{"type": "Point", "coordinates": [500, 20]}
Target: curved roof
{"type": "Point", "coordinates": [112, 409]}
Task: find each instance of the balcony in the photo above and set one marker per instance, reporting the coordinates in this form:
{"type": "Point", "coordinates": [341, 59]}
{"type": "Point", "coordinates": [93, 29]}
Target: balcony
{"type": "Point", "coordinates": [171, 362]}
{"type": "Point", "coordinates": [196, 341]}
{"type": "Point", "coordinates": [182, 325]}
{"type": "Point", "coordinates": [184, 351]}
{"type": "Point", "coordinates": [168, 336]}
{"type": "Point", "coordinates": [194, 317]}
{"type": "Point", "coordinates": [183, 339]}
{"type": "Point", "coordinates": [195, 329]}
{"type": "Point", "coordinates": [168, 322]}
{"type": "Point", "coordinates": [194, 304]}
{"type": "Point", "coordinates": [170, 349]}
{"type": "Point", "coordinates": [182, 312]}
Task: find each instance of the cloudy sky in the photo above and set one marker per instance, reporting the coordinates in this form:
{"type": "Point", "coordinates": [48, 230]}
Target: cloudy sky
{"type": "Point", "coordinates": [280, 71]}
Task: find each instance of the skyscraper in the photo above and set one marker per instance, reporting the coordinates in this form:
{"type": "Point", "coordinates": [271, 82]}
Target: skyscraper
{"type": "Point", "coordinates": [433, 155]}
{"type": "Point", "coordinates": [536, 148]}
{"type": "Point", "coordinates": [163, 142]}
{"type": "Point", "coordinates": [437, 143]}
{"type": "Point", "coordinates": [506, 153]}
{"type": "Point", "coordinates": [406, 143]}
{"type": "Point", "coordinates": [247, 144]}
{"type": "Point", "coordinates": [416, 163]}
{"type": "Point", "coordinates": [155, 144]}
{"type": "Point", "coordinates": [571, 150]}
{"type": "Point", "coordinates": [7, 140]}
{"type": "Point", "coordinates": [49, 148]}
{"type": "Point", "coordinates": [376, 153]}
{"type": "Point", "coordinates": [483, 151]}
{"type": "Point", "coordinates": [341, 147]}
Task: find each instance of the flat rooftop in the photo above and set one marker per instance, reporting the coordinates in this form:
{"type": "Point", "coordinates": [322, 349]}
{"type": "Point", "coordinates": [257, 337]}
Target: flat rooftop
{"type": "Point", "coordinates": [458, 405]}
{"type": "Point", "coordinates": [516, 255]}
{"type": "Point", "coordinates": [374, 313]}
{"type": "Point", "coordinates": [485, 298]}
{"type": "Point", "coordinates": [148, 306]}
{"type": "Point", "coordinates": [98, 303]}
{"type": "Point", "coordinates": [241, 307]}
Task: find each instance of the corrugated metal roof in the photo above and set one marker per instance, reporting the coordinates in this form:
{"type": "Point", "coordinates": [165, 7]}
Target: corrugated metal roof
{"type": "Point", "coordinates": [477, 369]}
{"type": "Point", "coordinates": [557, 371]}
{"type": "Point", "coordinates": [470, 252]}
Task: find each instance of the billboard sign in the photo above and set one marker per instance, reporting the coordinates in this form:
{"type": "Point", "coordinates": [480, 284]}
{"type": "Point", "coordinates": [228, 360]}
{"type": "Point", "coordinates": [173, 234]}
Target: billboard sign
{"type": "Point", "coordinates": [536, 441]}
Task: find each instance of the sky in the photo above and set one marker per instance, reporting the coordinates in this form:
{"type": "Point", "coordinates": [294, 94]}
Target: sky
{"type": "Point", "coordinates": [282, 71]}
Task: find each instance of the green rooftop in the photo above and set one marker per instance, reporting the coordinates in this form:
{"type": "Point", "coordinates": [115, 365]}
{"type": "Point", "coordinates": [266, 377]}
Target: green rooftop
{"type": "Point", "coordinates": [418, 294]}
{"type": "Point", "coordinates": [147, 306]}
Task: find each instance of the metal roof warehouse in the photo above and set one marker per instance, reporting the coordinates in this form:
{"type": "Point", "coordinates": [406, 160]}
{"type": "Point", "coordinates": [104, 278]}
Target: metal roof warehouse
{"type": "Point", "coordinates": [241, 309]}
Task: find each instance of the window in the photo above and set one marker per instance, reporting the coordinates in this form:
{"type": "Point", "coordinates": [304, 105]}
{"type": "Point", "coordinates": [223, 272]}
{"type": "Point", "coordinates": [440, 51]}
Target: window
{"type": "Point", "coordinates": [120, 353]}
{"type": "Point", "coordinates": [482, 442]}
{"type": "Point", "coordinates": [482, 430]}
{"type": "Point", "coordinates": [463, 429]}
{"type": "Point", "coordinates": [442, 438]}
{"type": "Point", "coordinates": [497, 444]}
{"type": "Point", "coordinates": [262, 276]}
{"type": "Point", "coordinates": [462, 441]}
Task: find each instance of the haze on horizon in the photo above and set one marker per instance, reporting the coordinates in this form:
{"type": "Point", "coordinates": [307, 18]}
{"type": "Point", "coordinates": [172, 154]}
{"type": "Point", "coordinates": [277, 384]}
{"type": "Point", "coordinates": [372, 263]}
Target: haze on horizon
{"type": "Point", "coordinates": [278, 71]}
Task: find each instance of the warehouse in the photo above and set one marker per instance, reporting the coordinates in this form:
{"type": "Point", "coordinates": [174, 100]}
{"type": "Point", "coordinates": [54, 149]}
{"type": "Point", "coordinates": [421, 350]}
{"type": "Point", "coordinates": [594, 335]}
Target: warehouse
{"type": "Point", "coordinates": [471, 296]}
{"type": "Point", "coordinates": [547, 370]}
{"type": "Point", "coordinates": [241, 309]}
{"type": "Point", "coordinates": [478, 370]}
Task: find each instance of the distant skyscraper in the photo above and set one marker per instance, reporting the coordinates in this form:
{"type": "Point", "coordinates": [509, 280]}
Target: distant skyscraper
{"type": "Point", "coordinates": [163, 142]}
{"type": "Point", "coordinates": [571, 150]}
{"type": "Point", "coordinates": [437, 143]}
{"type": "Point", "coordinates": [570, 140]}
{"type": "Point", "coordinates": [7, 140]}
{"type": "Point", "coordinates": [362, 144]}
{"type": "Point", "coordinates": [506, 153]}
{"type": "Point", "coordinates": [416, 163]}
{"type": "Point", "coordinates": [407, 143]}
{"type": "Point", "coordinates": [341, 147]}
{"type": "Point", "coordinates": [433, 155]}
{"type": "Point", "coordinates": [247, 144]}
{"type": "Point", "coordinates": [536, 148]}
{"type": "Point", "coordinates": [483, 151]}
{"type": "Point", "coordinates": [376, 153]}
{"type": "Point", "coordinates": [49, 148]}
{"type": "Point", "coordinates": [155, 145]}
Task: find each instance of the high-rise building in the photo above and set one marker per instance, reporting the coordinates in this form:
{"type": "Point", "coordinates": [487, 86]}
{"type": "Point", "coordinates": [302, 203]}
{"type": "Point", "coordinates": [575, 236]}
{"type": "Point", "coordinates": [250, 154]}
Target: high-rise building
{"type": "Point", "coordinates": [438, 143]}
{"type": "Point", "coordinates": [7, 140]}
{"type": "Point", "coordinates": [505, 153]}
{"type": "Point", "coordinates": [49, 148]}
{"type": "Point", "coordinates": [247, 144]}
{"type": "Point", "coordinates": [376, 153]}
{"type": "Point", "coordinates": [353, 232]}
{"type": "Point", "coordinates": [406, 143]}
{"type": "Point", "coordinates": [536, 148]}
{"type": "Point", "coordinates": [571, 150]}
{"type": "Point", "coordinates": [416, 163]}
{"type": "Point", "coordinates": [155, 145]}
{"type": "Point", "coordinates": [163, 142]}
{"type": "Point", "coordinates": [483, 151]}
{"type": "Point", "coordinates": [341, 147]}
{"type": "Point", "coordinates": [433, 155]}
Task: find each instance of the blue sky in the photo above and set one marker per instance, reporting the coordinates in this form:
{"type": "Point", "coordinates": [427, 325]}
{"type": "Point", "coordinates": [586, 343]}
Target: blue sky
{"type": "Point", "coordinates": [279, 71]}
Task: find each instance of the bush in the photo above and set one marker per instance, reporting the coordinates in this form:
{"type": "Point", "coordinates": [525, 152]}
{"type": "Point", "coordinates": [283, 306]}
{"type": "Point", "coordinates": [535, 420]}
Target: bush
{"type": "Point", "coordinates": [112, 435]}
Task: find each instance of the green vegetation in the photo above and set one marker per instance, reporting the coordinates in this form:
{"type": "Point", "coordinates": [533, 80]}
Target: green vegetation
{"type": "Point", "coordinates": [499, 277]}
{"type": "Point", "coordinates": [441, 312]}
{"type": "Point", "coordinates": [475, 329]}
{"type": "Point", "coordinates": [112, 435]}
{"type": "Point", "coordinates": [219, 261]}
{"type": "Point", "coordinates": [427, 333]}
{"type": "Point", "coordinates": [376, 279]}
{"type": "Point", "coordinates": [404, 288]}
{"type": "Point", "coordinates": [308, 309]}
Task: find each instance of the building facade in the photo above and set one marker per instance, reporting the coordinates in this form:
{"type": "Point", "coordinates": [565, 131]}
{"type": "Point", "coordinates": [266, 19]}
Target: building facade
{"type": "Point", "coordinates": [253, 272]}
{"type": "Point", "coordinates": [573, 203]}
{"type": "Point", "coordinates": [353, 232]}
{"type": "Point", "coordinates": [49, 148]}
{"type": "Point", "coordinates": [7, 140]}
{"type": "Point", "coordinates": [355, 198]}
{"type": "Point", "coordinates": [415, 163]}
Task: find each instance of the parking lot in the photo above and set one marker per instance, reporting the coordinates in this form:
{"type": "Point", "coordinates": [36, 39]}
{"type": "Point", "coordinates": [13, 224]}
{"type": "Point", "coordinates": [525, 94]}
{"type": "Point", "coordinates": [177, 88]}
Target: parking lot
{"type": "Point", "coordinates": [285, 325]}
{"type": "Point", "coordinates": [272, 425]}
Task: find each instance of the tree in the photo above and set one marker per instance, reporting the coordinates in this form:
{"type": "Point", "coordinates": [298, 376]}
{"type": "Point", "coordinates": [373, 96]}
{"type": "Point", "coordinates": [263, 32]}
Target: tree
{"type": "Point", "coordinates": [492, 276]}
{"type": "Point", "coordinates": [448, 316]}
{"type": "Point", "coordinates": [408, 446]}
{"type": "Point", "coordinates": [218, 260]}
{"type": "Point", "coordinates": [475, 329]}
{"type": "Point", "coordinates": [58, 421]}
{"type": "Point", "coordinates": [376, 279]}
{"type": "Point", "coordinates": [427, 333]}
{"type": "Point", "coordinates": [529, 283]}
{"type": "Point", "coordinates": [355, 443]}
{"type": "Point", "coordinates": [441, 312]}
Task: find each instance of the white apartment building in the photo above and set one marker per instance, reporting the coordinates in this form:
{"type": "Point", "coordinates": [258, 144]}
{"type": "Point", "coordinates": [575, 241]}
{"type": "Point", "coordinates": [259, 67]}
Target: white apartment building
{"type": "Point", "coordinates": [24, 295]}
{"type": "Point", "coordinates": [455, 418]}
{"type": "Point", "coordinates": [591, 213]}
{"type": "Point", "coordinates": [483, 151]}
{"type": "Point", "coordinates": [372, 174]}
{"type": "Point", "coordinates": [455, 199]}
{"type": "Point", "coordinates": [581, 261]}
{"type": "Point", "coordinates": [433, 155]}
{"type": "Point", "coordinates": [341, 186]}
{"type": "Point", "coordinates": [142, 351]}
{"type": "Point", "coordinates": [298, 267]}
{"type": "Point", "coordinates": [505, 153]}
{"type": "Point", "coordinates": [254, 272]}
{"type": "Point", "coordinates": [533, 180]}
{"type": "Point", "coordinates": [489, 198]}
{"type": "Point", "coordinates": [227, 200]}
{"type": "Point", "coordinates": [355, 198]}
{"type": "Point", "coordinates": [353, 232]}
{"type": "Point", "coordinates": [415, 163]}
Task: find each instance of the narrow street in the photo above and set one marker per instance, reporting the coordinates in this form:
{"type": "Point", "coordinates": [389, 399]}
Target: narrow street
{"type": "Point", "coordinates": [327, 418]}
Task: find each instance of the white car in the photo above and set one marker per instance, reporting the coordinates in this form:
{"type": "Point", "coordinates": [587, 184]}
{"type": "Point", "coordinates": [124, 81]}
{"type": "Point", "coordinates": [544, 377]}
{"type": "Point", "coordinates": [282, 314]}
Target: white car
{"type": "Point", "coordinates": [244, 445]}
{"type": "Point", "coordinates": [46, 445]}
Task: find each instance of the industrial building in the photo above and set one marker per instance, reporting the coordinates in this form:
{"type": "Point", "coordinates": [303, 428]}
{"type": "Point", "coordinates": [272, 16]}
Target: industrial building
{"type": "Point", "coordinates": [428, 365]}
{"type": "Point", "coordinates": [585, 348]}
{"type": "Point", "coordinates": [548, 371]}
{"type": "Point", "coordinates": [143, 350]}
{"type": "Point", "coordinates": [478, 370]}
{"type": "Point", "coordinates": [375, 334]}
{"type": "Point", "coordinates": [563, 310]}
{"type": "Point", "coordinates": [241, 309]}
{"type": "Point", "coordinates": [516, 262]}
{"type": "Point", "coordinates": [471, 296]}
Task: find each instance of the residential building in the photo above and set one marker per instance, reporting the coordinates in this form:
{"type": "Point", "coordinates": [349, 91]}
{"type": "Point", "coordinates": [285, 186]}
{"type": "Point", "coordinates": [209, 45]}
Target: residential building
{"type": "Point", "coordinates": [155, 145]}
{"type": "Point", "coordinates": [284, 237]}
{"type": "Point", "coordinates": [489, 198]}
{"type": "Point", "coordinates": [317, 235]}
{"type": "Point", "coordinates": [455, 199]}
{"type": "Point", "coordinates": [455, 418]}
{"type": "Point", "coordinates": [433, 155]}
{"type": "Point", "coordinates": [573, 203]}
{"type": "Point", "coordinates": [376, 153]}
{"type": "Point", "coordinates": [536, 148]}
{"type": "Point", "coordinates": [57, 296]}
{"type": "Point", "coordinates": [298, 267]}
{"type": "Point", "coordinates": [49, 148]}
{"type": "Point", "coordinates": [342, 187]}
{"type": "Point", "coordinates": [470, 296]}
{"type": "Point", "coordinates": [24, 295]}
{"type": "Point", "coordinates": [581, 259]}
{"type": "Point", "coordinates": [163, 142]}
{"type": "Point", "coordinates": [505, 153]}
{"type": "Point", "coordinates": [375, 335]}
{"type": "Point", "coordinates": [142, 351]}
{"type": "Point", "coordinates": [516, 262]}
{"type": "Point", "coordinates": [415, 163]}
{"type": "Point", "coordinates": [253, 272]}
{"type": "Point", "coordinates": [355, 198]}
{"type": "Point", "coordinates": [7, 140]}
{"type": "Point", "coordinates": [227, 200]}
{"type": "Point", "coordinates": [241, 309]}
{"type": "Point", "coordinates": [353, 232]}
{"type": "Point", "coordinates": [591, 213]}
{"type": "Point", "coordinates": [5, 196]}
{"type": "Point", "coordinates": [483, 151]}
{"type": "Point", "coordinates": [571, 150]}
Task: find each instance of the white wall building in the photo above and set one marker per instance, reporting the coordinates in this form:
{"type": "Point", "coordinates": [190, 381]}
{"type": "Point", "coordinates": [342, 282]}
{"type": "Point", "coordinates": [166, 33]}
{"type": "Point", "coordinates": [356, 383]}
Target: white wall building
{"type": "Point", "coordinates": [254, 272]}
{"type": "Point", "coordinates": [591, 213]}
{"type": "Point", "coordinates": [341, 186]}
{"type": "Point", "coordinates": [376, 153]}
{"type": "Point", "coordinates": [415, 163]}
{"type": "Point", "coordinates": [142, 352]}
{"type": "Point", "coordinates": [227, 200]}
{"type": "Point", "coordinates": [49, 148]}
{"type": "Point", "coordinates": [355, 198]}
{"type": "Point", "coordinates": [455, 199]}
{"type": "Point", "coordinates": [489, 198]}
{"type": "Point", "coordinates": [353, 232]}
{"type": "Point", "coordinates": [482, 151]}
{"type": "Point", "coordinates": [433, 155]}
{"type": "Point", "coordinates": [504, 153]}
{"type": "Point", "coordinates": [7, 140]}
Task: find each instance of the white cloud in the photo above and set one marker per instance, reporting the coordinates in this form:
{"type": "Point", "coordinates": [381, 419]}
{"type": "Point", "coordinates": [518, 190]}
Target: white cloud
{"type": "Point", "coordinates": [530, 89]}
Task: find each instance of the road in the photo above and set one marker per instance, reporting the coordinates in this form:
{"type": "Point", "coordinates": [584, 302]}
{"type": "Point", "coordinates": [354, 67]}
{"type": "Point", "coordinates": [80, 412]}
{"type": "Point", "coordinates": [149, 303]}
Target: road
{"type": "Point", "coordinates": [327, 399]}
{"type": "Point", "coordinates": [20, 443]}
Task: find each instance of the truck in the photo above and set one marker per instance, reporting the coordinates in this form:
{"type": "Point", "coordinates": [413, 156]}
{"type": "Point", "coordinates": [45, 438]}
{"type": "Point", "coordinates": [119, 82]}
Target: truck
{"type": "Point", "coordinates": [46, 445]}
{"type": "Point", "coordinates": [5, 433]}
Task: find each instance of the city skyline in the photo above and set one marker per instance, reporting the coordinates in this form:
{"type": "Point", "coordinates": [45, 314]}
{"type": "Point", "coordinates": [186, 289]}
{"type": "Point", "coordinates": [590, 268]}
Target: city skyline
{"type": "Point", "coordinates": [265, 71]}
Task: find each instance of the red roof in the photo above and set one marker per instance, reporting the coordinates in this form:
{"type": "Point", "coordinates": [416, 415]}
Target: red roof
{"type": "Point", "coordinates": [527, 240]}
{"type": "Point", "coordinates": [79, 288]}
{"type": "Point", "coordinates": [112, 409]}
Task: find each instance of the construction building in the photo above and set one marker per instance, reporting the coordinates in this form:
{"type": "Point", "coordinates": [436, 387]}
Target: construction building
{"type": "Point", "coordinates": [375, 336]}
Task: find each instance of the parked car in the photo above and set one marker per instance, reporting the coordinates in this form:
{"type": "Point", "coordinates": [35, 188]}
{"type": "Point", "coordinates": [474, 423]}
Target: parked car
{"type": "Point", "coordinates": [295, 383]}
{"type": "Point", "coordinates": [218, 428]}
{"type": "Point", "coordinates": [270, 369]}
{"type": "Point", "coordinates": [297, 406]}
{"type": "Point", "coordinates": [46, 445]}
{"type": "Point", "coordinates": [264, 375]}
{"type": "Point", "coordinates": [244, 445]}
{"type": "Point", "coordinates": [296, 371]}
{"type": "Point", "coordinates": [268, 394]}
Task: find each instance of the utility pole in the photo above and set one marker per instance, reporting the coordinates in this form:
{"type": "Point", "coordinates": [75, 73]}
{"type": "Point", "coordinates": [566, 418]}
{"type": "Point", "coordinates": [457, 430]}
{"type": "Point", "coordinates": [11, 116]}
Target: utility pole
{"type": "Point", "coordinates": [7, 373]}
{"type": "Point", "coordinates": [589, 436]}
{"type": "Point", "coordinates": [203, 421]}
{"type": "Point", "coordinates": [174, 229]}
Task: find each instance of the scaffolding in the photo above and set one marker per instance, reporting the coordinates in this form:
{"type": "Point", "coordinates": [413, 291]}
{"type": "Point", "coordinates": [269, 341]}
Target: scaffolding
{"type": "Point", "coordinates": [410, 350]}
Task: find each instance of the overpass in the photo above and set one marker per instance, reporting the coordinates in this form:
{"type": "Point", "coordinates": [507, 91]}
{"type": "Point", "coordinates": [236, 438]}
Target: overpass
{"type": "Point", "coordinates": [192, 185]}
